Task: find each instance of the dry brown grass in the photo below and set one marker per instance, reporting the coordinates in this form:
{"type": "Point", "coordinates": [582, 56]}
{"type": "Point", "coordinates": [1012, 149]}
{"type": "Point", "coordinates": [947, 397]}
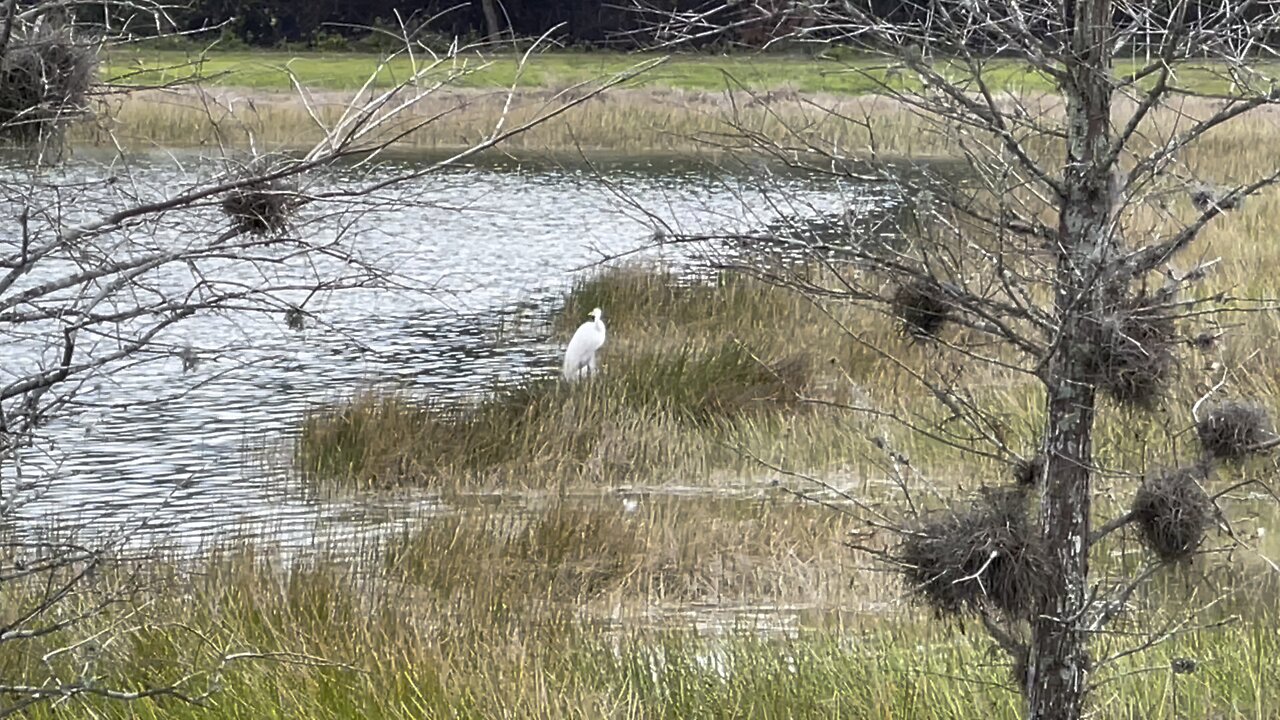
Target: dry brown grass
{"type": "Point", "coordinates": [623, 120]}
{"type": "Point", "coordinates": [636, 556]}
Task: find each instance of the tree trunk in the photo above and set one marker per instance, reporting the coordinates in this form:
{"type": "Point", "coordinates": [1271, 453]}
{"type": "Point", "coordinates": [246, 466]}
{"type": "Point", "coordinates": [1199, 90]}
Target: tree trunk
{"type": "Point", "coordinates": [1057, 680]}
{"type": "Point", "coordinates": [491, 20]}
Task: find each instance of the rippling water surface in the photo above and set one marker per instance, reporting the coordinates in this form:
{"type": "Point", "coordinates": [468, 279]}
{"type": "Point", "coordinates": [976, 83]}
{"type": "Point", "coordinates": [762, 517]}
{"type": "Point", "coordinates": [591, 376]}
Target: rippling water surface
{"type": "Point", "coordinates": [477, 247]}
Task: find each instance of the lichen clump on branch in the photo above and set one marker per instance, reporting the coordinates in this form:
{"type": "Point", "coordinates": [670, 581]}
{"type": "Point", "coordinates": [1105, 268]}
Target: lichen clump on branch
{"type": "Point", "coordinates": [1233, 430]}
{"type": "Point", "coordinates": [1135, 358]}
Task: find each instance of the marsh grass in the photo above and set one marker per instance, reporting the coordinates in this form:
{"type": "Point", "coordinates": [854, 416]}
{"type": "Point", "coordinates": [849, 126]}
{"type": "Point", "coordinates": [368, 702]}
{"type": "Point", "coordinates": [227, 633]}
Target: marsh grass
{"type": "Point", "coordinates": [637, 296]}
{"type": "Point", "coordinates": [561, 608]}
{"type": "Point", "coordinates": [548, 612]}
{"type": "Point", "coordinates": [707, 374]}
{"type": "Point", "coordinates": [613, 555]}
{"type": "Point", "coordinates": [698, 376]}
{"type": "Point", "coordinates": [638, 414]}
{"type": "Point", "coordinates": [637, 121]}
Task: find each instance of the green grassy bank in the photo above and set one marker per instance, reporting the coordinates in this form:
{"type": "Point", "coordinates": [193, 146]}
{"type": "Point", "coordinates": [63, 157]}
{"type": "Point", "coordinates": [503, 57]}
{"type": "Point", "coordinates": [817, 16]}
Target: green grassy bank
{"type": "Point", "coordinates": [832, 72]}
{"type": "Point", "coordinates": [687, 103]}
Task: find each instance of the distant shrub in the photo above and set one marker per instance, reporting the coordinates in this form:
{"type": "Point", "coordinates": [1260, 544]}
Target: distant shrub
{"type": "Point", "coordinates": [332, 42]}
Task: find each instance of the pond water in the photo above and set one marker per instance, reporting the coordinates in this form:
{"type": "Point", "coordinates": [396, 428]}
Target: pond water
{"type": "Point", "coordinates": [169, 450]}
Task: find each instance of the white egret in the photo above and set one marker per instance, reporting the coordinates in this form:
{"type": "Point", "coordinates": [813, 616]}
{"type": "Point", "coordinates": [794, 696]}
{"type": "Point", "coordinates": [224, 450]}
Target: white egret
{"type": "Point", "coordinates": [580, 357]}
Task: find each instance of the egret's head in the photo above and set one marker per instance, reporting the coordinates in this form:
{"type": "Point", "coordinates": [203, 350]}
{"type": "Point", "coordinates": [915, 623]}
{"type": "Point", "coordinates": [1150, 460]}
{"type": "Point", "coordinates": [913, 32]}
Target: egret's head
{"type": "Point", "coordinates": [595, 314]}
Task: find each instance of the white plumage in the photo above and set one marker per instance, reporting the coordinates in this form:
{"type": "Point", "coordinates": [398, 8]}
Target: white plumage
{"type": "Point", "coordinates": [580, 357]}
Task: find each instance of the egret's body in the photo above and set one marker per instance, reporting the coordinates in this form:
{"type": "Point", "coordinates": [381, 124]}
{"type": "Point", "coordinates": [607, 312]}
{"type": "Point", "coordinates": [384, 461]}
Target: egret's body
{"type": "Point", "coordinates": [580, 357]}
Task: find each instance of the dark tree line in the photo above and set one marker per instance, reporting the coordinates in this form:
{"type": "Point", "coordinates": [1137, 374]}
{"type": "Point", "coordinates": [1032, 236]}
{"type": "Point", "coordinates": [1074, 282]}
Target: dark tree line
{"type": "Point", "coordinates": [623, 24]}
{"type": "Point", "coordinates": [269, 23]}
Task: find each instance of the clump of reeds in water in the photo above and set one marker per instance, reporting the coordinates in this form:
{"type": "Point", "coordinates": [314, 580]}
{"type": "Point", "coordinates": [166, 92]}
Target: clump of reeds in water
{"type": "Point", "coordinates": [386, 440]}
{"type": "Point", "coordinates": [703, 384]}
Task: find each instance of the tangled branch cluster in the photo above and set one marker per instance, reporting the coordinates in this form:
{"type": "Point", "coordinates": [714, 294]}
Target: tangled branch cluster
{"type": "Point", "coordinates": [1135, 358]}
{"type": "Point", "coordinates": [1172, 512]}
{"type": "Point", "coordinates": [44, 82]}
{"type": "Point", "coordinates": [1233, 430]}
{"type": "Point", "coordinates": [1171, 509]}
{"type": "Point", "coordinates": [263, 208]}
{"type": "Point", "coordinates": [987, 556]}
{"type": "Point", "coordinates": [922, 307]}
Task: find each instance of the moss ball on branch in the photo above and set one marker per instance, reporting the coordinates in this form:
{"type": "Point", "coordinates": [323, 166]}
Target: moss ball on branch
{"type": "Point", "coordinates": [261, 208]}
{"type": "Point", "coordinates": [986, 556]}
{"type": "Point", "coordinates": [1027, 472]}
{"type": "Point", "coordinates": [1233, 430]}
{"type": "Point", "coordinates": [1135, 358]}
{"type": "Point", "coordinates": [921, 307]}
{"type": "Point", "coordinates": [1173, 513]}
{"type": "Point", "coordinates": [45, 78]}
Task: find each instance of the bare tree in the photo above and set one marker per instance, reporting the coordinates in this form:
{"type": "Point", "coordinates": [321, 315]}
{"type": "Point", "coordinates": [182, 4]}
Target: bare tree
{"type": "Point", "coordinates": [100, 272]}
{"type": "Point", "coordinates": [1060, 257]}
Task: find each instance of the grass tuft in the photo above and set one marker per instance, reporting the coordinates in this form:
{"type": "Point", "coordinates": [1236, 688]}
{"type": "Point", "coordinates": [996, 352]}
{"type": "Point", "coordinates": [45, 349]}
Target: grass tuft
{"type": "Point", "coordinates": [389, 439]}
